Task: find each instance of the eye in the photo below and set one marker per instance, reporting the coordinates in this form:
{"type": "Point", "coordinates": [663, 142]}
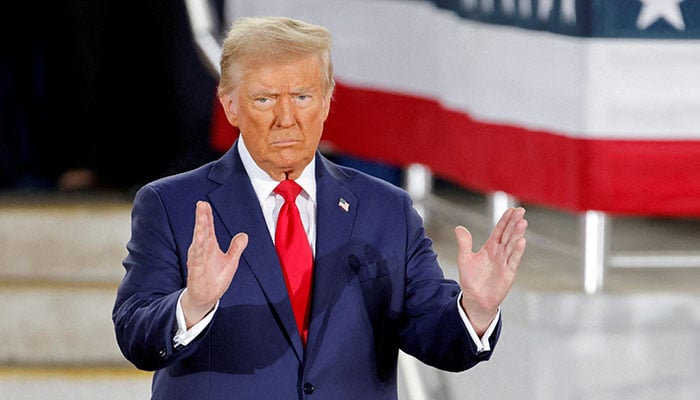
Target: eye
{"type": "Point", "coordinates": [303, 99]}
{"type": "Point", "coordinates": [263, 102]}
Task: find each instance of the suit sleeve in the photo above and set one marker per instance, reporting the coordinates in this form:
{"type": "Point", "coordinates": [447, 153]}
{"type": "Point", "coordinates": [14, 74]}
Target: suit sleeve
{"type": "Point", "coordinates": [434, 331]}
{"type": "Point", "coordinates": [144, 313]}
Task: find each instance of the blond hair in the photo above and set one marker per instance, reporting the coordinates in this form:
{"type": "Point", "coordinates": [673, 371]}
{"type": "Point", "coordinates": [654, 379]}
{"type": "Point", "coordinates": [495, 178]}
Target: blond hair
{"type": "Point", "coordinates": [273, 40]}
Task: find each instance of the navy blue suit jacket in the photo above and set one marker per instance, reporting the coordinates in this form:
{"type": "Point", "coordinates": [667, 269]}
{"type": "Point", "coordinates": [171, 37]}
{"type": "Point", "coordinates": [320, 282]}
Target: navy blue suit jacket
{"type": "Point", "coordinates": [377, 288]}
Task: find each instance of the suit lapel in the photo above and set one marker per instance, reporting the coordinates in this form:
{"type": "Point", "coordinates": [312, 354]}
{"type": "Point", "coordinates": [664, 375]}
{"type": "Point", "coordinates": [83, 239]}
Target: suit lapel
{"type": "Point", "coordinates": [234, 201]}
{"type": "Point", "coordinates": [336, 208]}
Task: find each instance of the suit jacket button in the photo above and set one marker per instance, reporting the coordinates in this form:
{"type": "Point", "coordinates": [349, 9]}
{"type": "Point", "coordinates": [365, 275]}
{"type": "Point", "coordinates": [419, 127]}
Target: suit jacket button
{"type": "Point", "coordinates": [309, 388]}
{"type": "Point", "coordinates": [162, 353]}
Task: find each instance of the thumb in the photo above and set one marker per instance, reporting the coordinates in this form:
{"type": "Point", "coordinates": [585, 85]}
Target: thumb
{"type": "Point", "coordinates": [464, 240]}
{"type": "Point", "coordinates": [238, 244]}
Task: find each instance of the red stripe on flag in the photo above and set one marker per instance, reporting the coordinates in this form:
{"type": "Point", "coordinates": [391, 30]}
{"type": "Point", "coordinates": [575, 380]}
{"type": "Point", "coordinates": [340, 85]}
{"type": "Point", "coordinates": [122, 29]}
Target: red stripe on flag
{"type": "Point", "coordinates": [631, 177]}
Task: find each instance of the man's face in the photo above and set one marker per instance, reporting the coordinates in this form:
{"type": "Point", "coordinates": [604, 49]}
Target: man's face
{"type": "Point", "coordinates": [280, 110]}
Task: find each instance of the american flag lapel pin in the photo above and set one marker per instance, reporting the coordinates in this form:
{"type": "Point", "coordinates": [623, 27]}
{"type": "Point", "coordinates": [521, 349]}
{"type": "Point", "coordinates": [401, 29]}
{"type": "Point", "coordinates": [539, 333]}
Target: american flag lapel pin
{"type": "Point", "coordinates": [342, 203]}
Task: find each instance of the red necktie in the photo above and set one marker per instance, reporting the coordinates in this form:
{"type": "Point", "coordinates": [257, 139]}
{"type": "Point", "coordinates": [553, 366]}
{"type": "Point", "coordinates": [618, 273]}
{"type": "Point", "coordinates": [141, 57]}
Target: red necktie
{"type": "Point", "coordinates": [294, 253]}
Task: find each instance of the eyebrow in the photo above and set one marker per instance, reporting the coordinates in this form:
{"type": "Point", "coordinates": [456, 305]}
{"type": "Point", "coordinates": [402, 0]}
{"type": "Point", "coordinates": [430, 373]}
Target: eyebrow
{"type": "Point", "coordinates": [262, 93]}
{"type": "Point", "coordinates": [272, 92]}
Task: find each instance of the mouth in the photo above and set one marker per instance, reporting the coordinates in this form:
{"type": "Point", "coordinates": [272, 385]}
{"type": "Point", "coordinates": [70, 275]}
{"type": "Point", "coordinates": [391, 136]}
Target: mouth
{"type": "Point", "coordinates": [286, 142]}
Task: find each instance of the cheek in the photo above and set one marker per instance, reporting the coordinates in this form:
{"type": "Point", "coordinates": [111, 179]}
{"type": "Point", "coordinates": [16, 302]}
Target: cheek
{"type": "Point", "coordinates": [255, 141]}
{"type": "Point", "coordinates": [316, 118]}
{"type": "Point", "coordinates": [319, 122]}
{"type": "Point", "coordinates": [255, 122]}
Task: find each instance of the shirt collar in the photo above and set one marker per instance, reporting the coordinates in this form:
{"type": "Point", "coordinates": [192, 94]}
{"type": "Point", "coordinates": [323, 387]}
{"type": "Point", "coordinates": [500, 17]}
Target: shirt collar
{"type": "Point", "coordinates": [264, 185]}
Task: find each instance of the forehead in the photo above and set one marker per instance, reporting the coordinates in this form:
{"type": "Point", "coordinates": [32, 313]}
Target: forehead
{"type": "Point", "coordinates": [295, 72]}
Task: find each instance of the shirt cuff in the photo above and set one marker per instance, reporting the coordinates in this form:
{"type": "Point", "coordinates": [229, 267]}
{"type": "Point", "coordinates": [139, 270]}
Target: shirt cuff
{"type": "Point", "coordinates": [482, 343]}
{"type": "Point", "coordinates": [183, 336]}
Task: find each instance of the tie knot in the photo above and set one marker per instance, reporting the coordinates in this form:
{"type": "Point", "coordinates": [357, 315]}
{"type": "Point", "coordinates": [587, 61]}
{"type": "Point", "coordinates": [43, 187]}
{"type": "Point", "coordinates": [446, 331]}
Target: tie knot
{"type": "Point", "coordinates": [288, 189]}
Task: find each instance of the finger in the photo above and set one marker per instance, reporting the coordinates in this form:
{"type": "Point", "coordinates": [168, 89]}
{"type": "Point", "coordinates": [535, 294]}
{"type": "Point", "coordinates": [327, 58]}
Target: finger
{"type": "Point", "coordinates": [238, 244]}
{"type": "Point", "coordinates": [517, 254]}
{"type": "Point", "coordinates": [519, 229]}
{"type": "Point", "coordinates": [494, 240]}
{"type": "Point", "coordinates": [197, 223]}
{"type": "Point", "coordinates": [198, 232]}
{"type": "Point", "coordinates": [201, 216]}
{"type": "Point", "coordinates": [516, 216]}
{"type": "Point", "coordinates": [464, 240]}
{"type": "Point", "coordinates": [510, 231]}
{"type": "Point", "coordinates": [518, 234]}
{"type": "Point", "coordinates": [501, 225]}
{"type": "Point", "coordinates": [205, 215]}
{"type": "Point", "coordinates": [234, 252]}
{"type": "Point", "coordinates": [202, 234]}
{"type": "Point", "coordinates": [207, 224]}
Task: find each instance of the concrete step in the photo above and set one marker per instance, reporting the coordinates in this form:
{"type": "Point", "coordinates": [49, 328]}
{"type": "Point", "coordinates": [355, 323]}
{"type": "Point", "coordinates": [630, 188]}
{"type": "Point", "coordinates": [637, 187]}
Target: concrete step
{"type": "Point", "coordinates": [80, 241]}
{"type": "Point", "coordinates": [60, 264]}
{"type": "Point", "coordinates": [57, 324]}
{"type": "Point", "coordinates": [84, 383]}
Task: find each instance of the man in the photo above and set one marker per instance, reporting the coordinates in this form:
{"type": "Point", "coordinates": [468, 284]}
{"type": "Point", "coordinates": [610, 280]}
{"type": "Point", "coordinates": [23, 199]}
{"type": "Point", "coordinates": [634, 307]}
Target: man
{"type": "Point", "coordinates": [224, 324]}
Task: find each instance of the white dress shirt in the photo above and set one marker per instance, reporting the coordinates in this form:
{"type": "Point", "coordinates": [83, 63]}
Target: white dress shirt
{"type": "Point", "coordinates": [271, 203]}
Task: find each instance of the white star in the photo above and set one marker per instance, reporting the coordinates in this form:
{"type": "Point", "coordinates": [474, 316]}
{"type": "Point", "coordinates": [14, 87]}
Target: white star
{"type": "Point", "coordinates": [653, 10]}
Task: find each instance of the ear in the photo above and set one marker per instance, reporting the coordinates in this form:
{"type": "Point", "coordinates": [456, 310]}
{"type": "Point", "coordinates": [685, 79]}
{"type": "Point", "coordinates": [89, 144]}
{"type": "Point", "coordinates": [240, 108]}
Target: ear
{"type": "Point", "coordinates": [228, 103]}
{"type": "Point", "coordinates": [327, 106]}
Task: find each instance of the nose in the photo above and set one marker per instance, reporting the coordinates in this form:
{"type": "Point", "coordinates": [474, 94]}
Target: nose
{"type": "Point", "coordinates": [284, 112]}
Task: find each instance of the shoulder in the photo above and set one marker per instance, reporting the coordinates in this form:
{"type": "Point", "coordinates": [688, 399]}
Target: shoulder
{"type": "Point", "coordinates": [177, 183]}
{"type": "Point", "coordinates": [373, 191]}
{"type": "Point", "coordinates": [359, 181]}
{"type": "Point", "coordinates": [178, 190]}
{"type": "Point", "coordinates": [202, 178]}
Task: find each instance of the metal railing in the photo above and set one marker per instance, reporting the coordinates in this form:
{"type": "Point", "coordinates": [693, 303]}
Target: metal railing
{"type": "Point", "coordinates": [595, 236]}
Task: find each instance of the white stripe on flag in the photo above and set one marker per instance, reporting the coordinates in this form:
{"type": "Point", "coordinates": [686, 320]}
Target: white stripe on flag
{"type": "Point", "coordinates": [580, 87]}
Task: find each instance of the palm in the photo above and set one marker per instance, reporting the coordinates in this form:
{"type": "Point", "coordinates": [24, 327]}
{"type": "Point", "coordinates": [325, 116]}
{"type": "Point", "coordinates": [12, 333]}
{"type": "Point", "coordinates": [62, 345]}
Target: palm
{"type": "Point", "coordinates": [209, 269]}
{"type": "Point", "coordinates": [487, 275]}
{"type": "Point", "coordinates": [484, 275]}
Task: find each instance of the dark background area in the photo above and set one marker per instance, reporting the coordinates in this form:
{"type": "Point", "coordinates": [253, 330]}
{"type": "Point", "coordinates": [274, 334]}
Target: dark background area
{"type": "Point", "coordinates": [114, 89]}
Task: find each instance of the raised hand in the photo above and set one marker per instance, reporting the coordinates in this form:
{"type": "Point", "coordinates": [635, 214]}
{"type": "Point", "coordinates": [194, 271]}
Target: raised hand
{"type": "Point", "coordinates": [487, 275]}
{"type": "Point", "coordinates": [209, 269]}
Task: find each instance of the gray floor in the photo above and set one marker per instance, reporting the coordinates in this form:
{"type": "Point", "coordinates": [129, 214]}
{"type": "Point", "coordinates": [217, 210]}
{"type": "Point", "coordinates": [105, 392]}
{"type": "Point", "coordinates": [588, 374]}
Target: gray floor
{"type": "Point", "coordinates": [637, 339]}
